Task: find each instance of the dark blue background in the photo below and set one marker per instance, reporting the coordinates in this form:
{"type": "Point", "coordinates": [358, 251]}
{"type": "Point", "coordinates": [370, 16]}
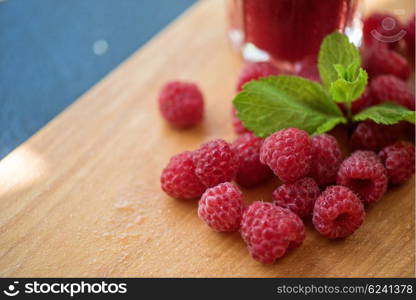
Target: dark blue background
{"type": "Point", "coordinates": [47, 59]}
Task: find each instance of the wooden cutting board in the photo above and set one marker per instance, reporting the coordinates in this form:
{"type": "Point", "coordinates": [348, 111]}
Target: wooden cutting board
{"type": "Point", "coordinates": [82, 196]}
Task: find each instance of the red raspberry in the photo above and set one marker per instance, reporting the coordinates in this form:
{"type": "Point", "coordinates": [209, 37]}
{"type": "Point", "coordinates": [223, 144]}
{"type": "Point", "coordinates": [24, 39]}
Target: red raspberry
{"type": "Point", "coordinates": [326, 159]}
{"type": "Point", "coordinates": [390, 88]}
{"type": "Point", "coordinates": [299, 196]}
{"type": "Point", "coordinates": [181, 104]}
{"type": "Point", "coordinates": [270, 231]}
{"type": "Point", "coordinates": [288, 153]}
{"type": "Point", "coordinates": [222, 207]}
{"type": "Point", "coordinates": [380, 60]}
{"type": "Point", "coordinates": [381, 28]}
{"type": "Point", "coordinates": [215, 162]}
{"type": "Point", "coordinates": [365, 100]}
{"type": "Point", "coordinates": [255, 71]}
{"type": "Point", "coordinates": [367, 155]}
{"type": "Point", "coordinates": [251, 172]}
{"type": "Point", "coordinates": [178, 179]}
{"type": "Point", "coordinates": [338, 212]}
{"type": "Point", "coordinates": [365, 175]}
{"type": "Point", "coordinates": [237, 123]}
{"type": "Point", "coordinates": [372, 136]}
{"type": "Point", "coordinates": [410, 36]}
{"type": "Point", "coordinates": [399, 160]}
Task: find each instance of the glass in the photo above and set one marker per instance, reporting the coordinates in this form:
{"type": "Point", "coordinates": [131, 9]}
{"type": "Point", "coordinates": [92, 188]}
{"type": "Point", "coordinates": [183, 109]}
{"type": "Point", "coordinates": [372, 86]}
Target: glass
{"type": "Point", "coordinates": [289, 32]}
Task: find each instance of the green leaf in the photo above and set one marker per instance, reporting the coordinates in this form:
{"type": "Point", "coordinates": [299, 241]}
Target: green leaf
{"type": "Point", "coordinates": [386, 113]}
{"type": "Point", "coordinates": [277, 102]}
{"type": "Point", "coordinates": [350, 84]}
{"type": "Point", "coordinates": [336, 50]}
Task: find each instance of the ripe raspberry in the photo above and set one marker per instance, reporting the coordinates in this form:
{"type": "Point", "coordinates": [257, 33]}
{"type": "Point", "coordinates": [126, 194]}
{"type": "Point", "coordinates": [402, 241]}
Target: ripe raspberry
{"type": "Point", "coordinates": [372, 136]}
{"type": "Point", "coordinates": [365, 100]}
{"type": "Point", "coordinates": [288, 153]}
{"type": "Point", "coordinates": [399, 160]}
{"type": "Point", "coordinates": [390, 88]}
{"type": "Point", "coordinates": [181, 104]}
{"type": "Point", "coordinates": [367, 155]}
{"type": "Point", "coordinates": [380, 60]}
{"type": "Point", "coordinates": [381, 28]}
{"type": "Point", "coordinates": [215, 162]}
{"type": "Point", "coordinates": [270, 231]}
{"type": "Point", "coordinates": [237, 123]}
{"type": "Point", "coordinates": [338, 212]}
{"type": "Point", "coordinates": [326, 159]}
{"type": "Point", "coordinates": [299, 196]}
{"type": "Point", "coordinates": [251, 172]}
{"type": "Point", "coordinates": [255, 71]}
{"type": "Point", "coordinates": [222, 207]}
{"type": "Point", "coordinates": [178, 179]}
{"type": "Point", "coordinates": [365, 175]}
{"type": "Point", "coordinates": [410, 36]}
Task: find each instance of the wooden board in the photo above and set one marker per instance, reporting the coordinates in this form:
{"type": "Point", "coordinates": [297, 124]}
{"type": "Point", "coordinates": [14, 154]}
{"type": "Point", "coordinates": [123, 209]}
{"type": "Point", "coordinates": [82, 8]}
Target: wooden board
{"type": "Point", "coordinates": [82, 196]}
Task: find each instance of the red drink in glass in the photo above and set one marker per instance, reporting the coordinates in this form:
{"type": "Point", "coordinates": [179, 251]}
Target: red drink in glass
{"type": "Point", "coordinates": [288, 32]}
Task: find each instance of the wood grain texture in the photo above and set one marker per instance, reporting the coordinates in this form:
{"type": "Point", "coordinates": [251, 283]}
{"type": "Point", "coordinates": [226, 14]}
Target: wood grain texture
{"type": "Point", "coordinates": [82, 196]}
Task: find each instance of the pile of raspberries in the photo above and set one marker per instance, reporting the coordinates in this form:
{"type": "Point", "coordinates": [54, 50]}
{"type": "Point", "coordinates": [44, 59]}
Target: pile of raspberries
{"type": "Point", "coordinates": [316, 181]}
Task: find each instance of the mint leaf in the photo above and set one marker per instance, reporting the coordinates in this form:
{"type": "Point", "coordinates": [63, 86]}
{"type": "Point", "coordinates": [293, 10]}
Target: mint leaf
{"type": "Point", "coordinates": [276, 102]}
{"type": "Point", "coordinates": [349, 72]}
{"type": "Point", "coordinates": [350, 84]}
{"type": "Point", "coordinates": [336, 50]}
{"type": "Point", "coordinates": [386, 113]}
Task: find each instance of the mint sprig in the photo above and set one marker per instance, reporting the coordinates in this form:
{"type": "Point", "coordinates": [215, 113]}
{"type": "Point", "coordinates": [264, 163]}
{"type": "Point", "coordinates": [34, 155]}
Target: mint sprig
{"type": "Point", "coordinates": [336, 50]}
{"type": "Point", "coordinates": [339, 68]}
{"type": "Point", "coordinates": [350, 84]}
{"type": "Point", "coordinates": [386, 113]}
{"type": "Point", "coordinates": [277, 102]}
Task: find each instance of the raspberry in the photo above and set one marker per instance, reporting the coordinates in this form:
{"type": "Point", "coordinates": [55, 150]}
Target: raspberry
{"type": "Point", "coordinates": [381, 60]}
{"type": "Point", "coordinates": [237, 123]}
{"type": "Point", "coordinates": [365, 100]}
{"type": "Point", "coordinates": [372, 136]}
{"type": "Point", "coordinates": [338, 212]}
{"type": "Point", "coordinates": [410, 36]}
{"type": "Point", "coordinates": [179, 180]}
{"type": "Point", "coordinates": [251, 172]}
{"type": "Point", "coordinates": [215, 162]}
{"type": "Point", "coordinates": [390, 88]}
{"type": "Point", "coordinates": [368, 155]}
{"type": "Point", "coordinates": [299, 196]}
{"type": "Point", "coordinates": [288, 153]}
{"type": "Point", "coordinates": [255, 71]}
{"type": "Point", "coordinates": [365, 175]}
{"type": "Point", "coordinates": [222, 207]}
{"type": "Point", "coordinates": [270, 231]}
{"type": "Point", "coordinates": [399, 160]}
{"type": "Point", "coordinates": [381, 28]}
{"type": "Point", "coordinates": [326, 159]}
{"type": "Point", "coordinates": [181, 104]}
